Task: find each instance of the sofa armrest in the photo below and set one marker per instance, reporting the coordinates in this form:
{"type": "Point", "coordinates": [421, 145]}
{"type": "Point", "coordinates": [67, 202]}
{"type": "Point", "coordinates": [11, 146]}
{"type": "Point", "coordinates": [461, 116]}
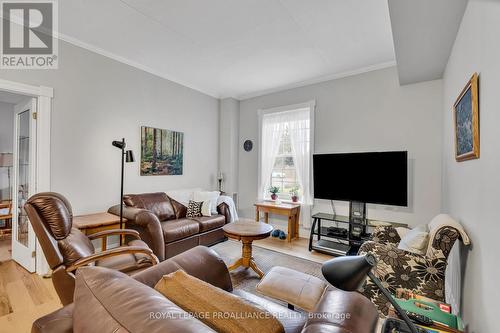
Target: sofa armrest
{"type": "Point", "coordinates": [149, 222]}
{"type": "Point", "coordinates": [386, 234]}
{"type": "Point", "coordinates": [59, 321]}
{"type": "Point", "coordinates": [342, 311]}
{"type": "Point", "coordinates": [200, 262]}
{"type": "Point", "coordinates": [223, 209]}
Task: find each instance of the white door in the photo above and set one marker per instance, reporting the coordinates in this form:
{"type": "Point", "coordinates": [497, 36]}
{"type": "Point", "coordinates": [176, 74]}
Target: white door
{"type": "Point", "coordinates": [23, 236]}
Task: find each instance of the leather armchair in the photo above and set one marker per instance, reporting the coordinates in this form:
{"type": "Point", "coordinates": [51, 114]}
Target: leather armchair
{"type": "Point", "coordinates": [67, 248]}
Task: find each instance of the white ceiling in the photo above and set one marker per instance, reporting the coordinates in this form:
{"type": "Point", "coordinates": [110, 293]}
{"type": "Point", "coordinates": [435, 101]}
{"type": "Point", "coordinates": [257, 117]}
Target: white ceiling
{"type": "Point", "coordinates": [235, 48]}
{"type": "Point", "coordinates": [424, 32]}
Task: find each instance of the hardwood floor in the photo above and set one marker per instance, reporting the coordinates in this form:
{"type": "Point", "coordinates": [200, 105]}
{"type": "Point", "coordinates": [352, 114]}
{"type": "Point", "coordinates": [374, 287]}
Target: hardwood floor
{"type": "Point", "coordinates": [24, 297]}
{"type": "Point", "coordinates": [298, 248]}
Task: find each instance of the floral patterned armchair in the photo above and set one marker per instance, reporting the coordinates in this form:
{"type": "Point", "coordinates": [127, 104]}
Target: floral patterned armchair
{"type": "Point", "coordinates": [422, 274]}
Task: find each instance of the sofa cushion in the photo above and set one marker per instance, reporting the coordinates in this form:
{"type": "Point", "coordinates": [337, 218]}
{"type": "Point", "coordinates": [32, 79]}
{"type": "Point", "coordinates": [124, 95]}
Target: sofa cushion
{"type": "Point", "coordinates": [210, 222]}
{"type": "Point", "coordinates": [179, 229]}
{"type": "Point", "coordinates": [110, 301]}
{"type": "Point", "coordinates": [158, 203]}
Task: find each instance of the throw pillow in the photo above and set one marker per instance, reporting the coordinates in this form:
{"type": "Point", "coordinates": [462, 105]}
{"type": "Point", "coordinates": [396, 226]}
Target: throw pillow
{"type": "Point", "coordinates": [415, 240]}
{"type": "Point", "coordinates": [211, 196]}
{"type": "Point", "coordinates": [208, 302]}
{"type": "Point", "coordinates": [402, 231]}
{"type": "Point", "coordinates": [194, 209]}
{"type": "Point", "coordinates": [206, 208]}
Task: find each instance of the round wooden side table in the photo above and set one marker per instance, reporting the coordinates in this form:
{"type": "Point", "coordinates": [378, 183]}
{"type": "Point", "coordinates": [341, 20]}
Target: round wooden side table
{"type": "Point", "coordinates": [246, 231]}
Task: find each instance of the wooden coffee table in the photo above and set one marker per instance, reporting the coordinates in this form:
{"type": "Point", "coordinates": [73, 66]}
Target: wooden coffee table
{"type": "Point", "coordinates": [247, 231]}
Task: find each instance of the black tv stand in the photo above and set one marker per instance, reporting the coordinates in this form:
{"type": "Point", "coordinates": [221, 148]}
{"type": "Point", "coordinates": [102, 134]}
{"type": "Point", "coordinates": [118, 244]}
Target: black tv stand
{"type": "Point", "coordinates": [326, 237]}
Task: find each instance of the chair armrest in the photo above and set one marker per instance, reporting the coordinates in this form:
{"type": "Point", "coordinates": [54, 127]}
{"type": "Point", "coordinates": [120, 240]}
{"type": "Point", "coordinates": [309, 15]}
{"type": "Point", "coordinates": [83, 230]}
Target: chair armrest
{"type": "Point", "coordinates": [111, 253]}
{"type": "Point", "coordinates": [200, 262]}
{"type": "Point", "coordinates": [341, 311]}
{"type": "Point", "coordinates": [150, 223]}
{"type": "Point", "coordinates": [113, 232]}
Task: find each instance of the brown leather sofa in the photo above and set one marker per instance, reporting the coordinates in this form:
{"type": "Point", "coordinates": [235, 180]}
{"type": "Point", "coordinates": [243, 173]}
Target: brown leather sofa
{"type": "Point", "coordinates": [162, 224]}
{"type": "Point", "coordinates": [122, 304]}
{"type": "Point", "coordinates": [67, 249]}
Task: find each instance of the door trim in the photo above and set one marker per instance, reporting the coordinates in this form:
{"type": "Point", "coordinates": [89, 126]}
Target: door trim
{"type": "Point", "coordinates": [44, 97]}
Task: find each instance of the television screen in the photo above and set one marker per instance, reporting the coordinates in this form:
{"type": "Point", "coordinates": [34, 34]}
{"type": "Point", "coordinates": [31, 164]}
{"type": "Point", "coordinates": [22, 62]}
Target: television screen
{"type": "Point", "coordinates": [378, 177]}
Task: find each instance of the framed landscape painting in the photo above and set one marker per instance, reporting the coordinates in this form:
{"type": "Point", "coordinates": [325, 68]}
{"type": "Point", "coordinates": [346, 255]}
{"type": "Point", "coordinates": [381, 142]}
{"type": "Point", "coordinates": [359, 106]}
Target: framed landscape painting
{"type": "Point", "coordinates": [162, 152]}
{"type": "Point", "coordinates": [466, 117]}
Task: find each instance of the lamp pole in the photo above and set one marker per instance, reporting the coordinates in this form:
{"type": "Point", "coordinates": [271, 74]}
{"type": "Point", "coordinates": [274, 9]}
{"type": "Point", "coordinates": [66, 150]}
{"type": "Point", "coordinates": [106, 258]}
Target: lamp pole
{"type": "Point", "coordinates": [127, 156]}
{"type": "Point", "coordinates": [121, 187]}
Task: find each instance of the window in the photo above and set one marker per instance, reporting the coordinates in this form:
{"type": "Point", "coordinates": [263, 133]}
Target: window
{"type": "Point", "coordinates": [284, 174]}
{"type": "Point", "coordinates": [285, 152]}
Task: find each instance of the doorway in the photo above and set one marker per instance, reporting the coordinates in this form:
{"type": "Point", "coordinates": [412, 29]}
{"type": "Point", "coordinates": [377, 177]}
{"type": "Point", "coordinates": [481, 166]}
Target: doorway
{"type": "Point", "coordinates": [25, 112]}
{"type": "Point", "coordinates": [17, 152]}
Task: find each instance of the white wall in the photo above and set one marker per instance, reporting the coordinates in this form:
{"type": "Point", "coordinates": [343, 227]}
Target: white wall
{"type": "Point", "coordinates": [367, 112]}
{"type": "Point", "coordinates": [471, 189]}
{"type": "Point", "coordinates": [98, 100]}
{"type": "Point", "coordinates": [228, 143]}
{"type": "Point", "coordinates": [6, 142]}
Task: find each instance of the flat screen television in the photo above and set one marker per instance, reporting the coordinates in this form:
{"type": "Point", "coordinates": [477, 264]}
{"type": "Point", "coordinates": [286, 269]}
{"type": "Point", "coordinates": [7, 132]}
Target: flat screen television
{"type": "Point", "coordinates": [372, 177]}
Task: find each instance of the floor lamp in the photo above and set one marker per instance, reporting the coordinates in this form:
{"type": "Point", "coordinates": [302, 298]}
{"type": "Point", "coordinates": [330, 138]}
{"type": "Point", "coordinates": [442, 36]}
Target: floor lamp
{"type": "Point", "coordinates": [127, 156]}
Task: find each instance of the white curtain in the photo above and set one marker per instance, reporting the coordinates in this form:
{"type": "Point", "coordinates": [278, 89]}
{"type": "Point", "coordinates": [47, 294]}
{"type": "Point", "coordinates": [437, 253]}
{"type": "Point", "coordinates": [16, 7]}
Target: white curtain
{"type": "Point", "coordinates": [299, 123]}
{"type": "Point", "coordinates": [273, 126]}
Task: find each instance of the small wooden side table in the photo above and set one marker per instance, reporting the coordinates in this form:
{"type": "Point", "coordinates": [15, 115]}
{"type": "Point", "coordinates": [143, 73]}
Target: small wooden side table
{"type": "Point", "coordinates": [247, 231]}
{"type": "Point", "coordinates": [291, 210]}
{"type": "Point", "coordinates": [92, 223]}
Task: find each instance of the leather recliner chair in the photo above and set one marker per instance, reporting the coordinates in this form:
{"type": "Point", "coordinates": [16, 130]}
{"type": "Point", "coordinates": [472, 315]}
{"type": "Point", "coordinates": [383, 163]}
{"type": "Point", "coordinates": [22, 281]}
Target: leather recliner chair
{"type": "Point", "coordinates": [67, 248]}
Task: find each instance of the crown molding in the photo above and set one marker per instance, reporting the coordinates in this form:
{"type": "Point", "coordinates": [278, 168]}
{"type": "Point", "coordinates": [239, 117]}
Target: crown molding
{"type": "Point", "coordinates": [123, 60]}
{"type": "Point", "coordinates": [320, 79]}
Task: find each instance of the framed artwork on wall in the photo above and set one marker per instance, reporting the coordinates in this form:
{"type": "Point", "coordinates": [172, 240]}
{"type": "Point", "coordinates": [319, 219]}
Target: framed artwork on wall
{"type": "Point", "coordinates": [162, 152]}
{"type": "Point", "coordinates": [466, 118]}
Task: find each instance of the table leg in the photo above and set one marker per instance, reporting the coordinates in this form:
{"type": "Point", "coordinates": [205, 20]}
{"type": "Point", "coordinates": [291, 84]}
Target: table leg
{"type": "Point", "coordinates": [297, 222]}
{"type": "Point", "coordinates": [290, 228]}
{"type": "Point", "coordinates": [246, 259]}
{"type": "Point", "coordinates": [266, 217]}
{"type": "Point", "coordinates": [237, 264]}
{"type": "Point", "coordinates": [104, 243]}
{"type": "Point", "coordinates": [256, 269]}
{"type": "Point", "coordinates": [257, 217]}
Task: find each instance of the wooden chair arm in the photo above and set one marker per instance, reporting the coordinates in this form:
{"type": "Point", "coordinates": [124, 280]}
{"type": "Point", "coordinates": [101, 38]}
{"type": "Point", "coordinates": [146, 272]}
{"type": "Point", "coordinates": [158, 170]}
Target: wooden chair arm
{"type": "Point", "coordinates": [112, 232]}
{"type": "Point", "coordinates": [111, 253]}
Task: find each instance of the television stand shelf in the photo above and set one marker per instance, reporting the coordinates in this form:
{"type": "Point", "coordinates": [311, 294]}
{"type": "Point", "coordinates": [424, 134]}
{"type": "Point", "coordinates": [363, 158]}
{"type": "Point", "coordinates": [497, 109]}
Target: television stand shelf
{"type": "Point", "coordinates": [333, 239]}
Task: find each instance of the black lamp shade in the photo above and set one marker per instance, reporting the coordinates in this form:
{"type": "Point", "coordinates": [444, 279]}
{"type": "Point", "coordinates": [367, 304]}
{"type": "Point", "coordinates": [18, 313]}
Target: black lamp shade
{"type": "Point", "coordinates": [119, 144]}
{"type": "Point", "coordinates": [348, 273]}
{"type": "Point", "coordinates": [129, 156]}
